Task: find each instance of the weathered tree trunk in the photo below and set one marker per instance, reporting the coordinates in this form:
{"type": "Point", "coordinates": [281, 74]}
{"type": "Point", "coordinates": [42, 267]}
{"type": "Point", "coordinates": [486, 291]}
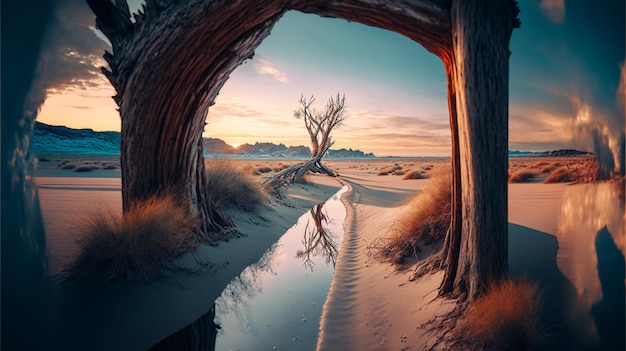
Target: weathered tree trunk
{"type": "Point", "coordinates": [452, 243]}
{"type": "Point", "coordinates": [296, 172]}
{"type": "Point", "coordinates": [481, 33]}
{"type": "Point", "coordinates": [167, 69]}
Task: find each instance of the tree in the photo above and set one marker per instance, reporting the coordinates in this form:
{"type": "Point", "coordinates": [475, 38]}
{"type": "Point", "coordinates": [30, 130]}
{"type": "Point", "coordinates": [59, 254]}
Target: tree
{"type": "Point", "coordinates": [319, 125]}
{"type": "Point", "coordinates": [170, 62]}
{"type": "Point", "coordinates": [477, 71]}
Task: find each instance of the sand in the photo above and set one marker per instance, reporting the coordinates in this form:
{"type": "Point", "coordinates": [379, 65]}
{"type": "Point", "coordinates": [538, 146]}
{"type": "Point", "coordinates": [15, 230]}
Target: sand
{"type": "Point", "coordinates": [370, 305]}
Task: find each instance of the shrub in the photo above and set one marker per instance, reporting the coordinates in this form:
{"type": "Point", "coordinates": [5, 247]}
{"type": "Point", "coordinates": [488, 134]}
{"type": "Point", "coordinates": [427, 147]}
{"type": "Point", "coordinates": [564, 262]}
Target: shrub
{"type": "Point", "coordinates": [522, 176]}
{"type": "Point", "coordinates": [84, 168]}
{"type": "Point", "coordinates": [136, 247]}
{"type": "Point", "coordinates": [391, 169]}
{"type": "Point", "coordinates": [229, 185]}
{"type": "Point", "coordinates": [424, 221]}
{"type": "Point", "coordinates": [541, 164]}
{"type": "Point", "coordinates": [507, 317]}
{"type": "Point", "coordinates": [560, 175]}
{"type": "Point", "coordinates": [264, 169]}
{"type": "Point", "coordinates": [68, 166]}
{"type": "Point", "coordinates": [413, 174]}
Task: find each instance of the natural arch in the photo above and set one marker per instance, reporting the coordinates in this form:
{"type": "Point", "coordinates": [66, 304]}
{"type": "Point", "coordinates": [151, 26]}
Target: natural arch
{"type": "Point", "coordinates": [170, 63]}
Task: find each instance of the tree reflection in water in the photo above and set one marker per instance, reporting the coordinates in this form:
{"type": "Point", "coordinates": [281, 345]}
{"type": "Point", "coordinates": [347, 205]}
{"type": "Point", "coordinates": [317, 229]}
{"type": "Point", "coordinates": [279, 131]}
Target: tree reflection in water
{"type": "Point", "coordinates": [317, 240]}
{"type": "Point", "coordinates": [241, 290]}
{"type": "Point", "coordinates": [201, 335]}
{"type": "Point", "coordinates": [275, 302]}
{"type": "Point", "coordinates": [197, 336]}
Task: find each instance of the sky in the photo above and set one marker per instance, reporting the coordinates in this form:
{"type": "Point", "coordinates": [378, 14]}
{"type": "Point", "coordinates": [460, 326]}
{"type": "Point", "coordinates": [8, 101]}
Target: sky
{"type": "Point", "coordinates": [566, 82]}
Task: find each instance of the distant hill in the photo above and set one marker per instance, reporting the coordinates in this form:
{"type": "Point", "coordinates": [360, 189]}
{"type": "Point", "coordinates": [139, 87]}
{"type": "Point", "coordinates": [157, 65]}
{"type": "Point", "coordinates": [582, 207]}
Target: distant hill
{"type": "Point", "coordinates": [63, 140]}
{"type": "Point", "coordinates": [554, 153]}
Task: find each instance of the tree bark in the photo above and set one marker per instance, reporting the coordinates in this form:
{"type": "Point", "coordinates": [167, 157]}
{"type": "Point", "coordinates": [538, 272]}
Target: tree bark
{"type": "Point", "coordinates": [452, 243]}
{"type": "Point", "coordinates": [167, 69]}
{"type": "Point", "coordinates": [481, 33]}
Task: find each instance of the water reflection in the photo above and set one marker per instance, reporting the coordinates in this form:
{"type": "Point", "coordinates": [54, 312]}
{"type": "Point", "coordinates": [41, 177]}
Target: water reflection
{"type": "Point", "coordinates": [238, 294]}
{"type": "Point", "coordinates": [317, 240]}
{"type": "Point", "coordinates": [197, 336]}
{"type": "Point", "coordinates": [590, 234]}
{"type": "Point", "coordinates": [274, 303]}
{"type": "Point", "coordinates": [280, 305]}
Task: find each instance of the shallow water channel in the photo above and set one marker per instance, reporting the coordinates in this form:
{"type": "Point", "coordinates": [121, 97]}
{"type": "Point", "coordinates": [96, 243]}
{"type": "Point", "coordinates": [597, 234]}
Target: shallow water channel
{"type": "Point", "coordinates": [275, 303]}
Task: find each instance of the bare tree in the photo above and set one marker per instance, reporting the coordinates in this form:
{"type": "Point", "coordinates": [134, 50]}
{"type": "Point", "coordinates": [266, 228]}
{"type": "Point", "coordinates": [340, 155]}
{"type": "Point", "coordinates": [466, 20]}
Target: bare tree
{"type": "Point", "coordinates": [319, 125]}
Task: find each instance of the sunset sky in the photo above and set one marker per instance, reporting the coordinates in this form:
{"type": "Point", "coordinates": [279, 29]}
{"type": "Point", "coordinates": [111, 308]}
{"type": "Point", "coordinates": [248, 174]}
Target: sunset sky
{"type": "Point", "coordinates": [565, 73]}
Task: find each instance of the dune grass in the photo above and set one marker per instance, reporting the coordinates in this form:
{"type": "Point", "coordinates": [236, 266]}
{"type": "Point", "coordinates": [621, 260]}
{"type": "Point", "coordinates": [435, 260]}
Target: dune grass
{"type": "Point", "coordinates": [229, 185]}
{"type": "Point", "coordinates": [389, 170]}
{"type": "Point", "coordinates": [85, 168]}
{"type": "Point", "coordinates": [507, 317]}
{"type": "Point", "coordinates": [560, 175]}
{"type": "Point", "coordinates": [413, 174]}
{"type": "Point", "coordinates": [136, 247]}
{"type": "Point", "coordinates": [264, 169]}
{"type": "Point", "coordinates": [522, 176]}
{"type": "Point", "coordinates": [424, 221]}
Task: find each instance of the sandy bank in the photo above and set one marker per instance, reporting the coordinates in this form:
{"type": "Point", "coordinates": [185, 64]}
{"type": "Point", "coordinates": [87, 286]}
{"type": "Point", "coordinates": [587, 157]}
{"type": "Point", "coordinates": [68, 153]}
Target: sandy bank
{"type": "Point", "coordinates": [134, 317]}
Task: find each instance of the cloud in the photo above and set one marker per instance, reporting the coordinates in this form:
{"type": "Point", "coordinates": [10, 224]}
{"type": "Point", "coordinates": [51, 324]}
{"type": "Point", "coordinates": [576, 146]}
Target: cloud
{"type": "Point", "coordinates": [71, 54]}
{"type": "Point", "coordinates": [392, 134]}
{"type": "Point", "coordinates": [554, 9]}
{"type": "Point", "coordinates": [264, 67]}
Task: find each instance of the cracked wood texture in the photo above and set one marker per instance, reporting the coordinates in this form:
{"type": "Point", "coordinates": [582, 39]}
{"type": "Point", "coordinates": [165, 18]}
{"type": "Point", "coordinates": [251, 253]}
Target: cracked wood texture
{"type": "Point", "coordinates": [170, 61]}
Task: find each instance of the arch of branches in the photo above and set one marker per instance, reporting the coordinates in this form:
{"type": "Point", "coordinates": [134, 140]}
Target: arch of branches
{"type": "Point", "coordinates": [170, 60]}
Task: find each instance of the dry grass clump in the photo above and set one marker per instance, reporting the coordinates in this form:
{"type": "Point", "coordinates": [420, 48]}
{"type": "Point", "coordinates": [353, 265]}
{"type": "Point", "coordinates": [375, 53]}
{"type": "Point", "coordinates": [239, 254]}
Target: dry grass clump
{"type": "Point", "coordinates": [389, 170]}
{"type": "Point", "coordinates": [560, 175]}
{"type": "Point", "coordinates": [229, 185]}
{"type": "Point", "coordinates": [541, 164]}
{"type": "Point", "coordinates": [521, 176]}
{"type": "Point", "coordinates": [264, 169]}
{"type": "Point", "coordinates": [413, 174]}
{"type": "Point", "coordinates": [507, 317]}
{"type": "Point", "coordinates": [136, 247]}
{"type": "Point", "coordinates": [547, 169]}
{"type": "Point", "coordinates": [424, 221]}
{"type": "Point", "coordinates": [85, 168]}
{"type": "Point", "coordinates": [68, 166]}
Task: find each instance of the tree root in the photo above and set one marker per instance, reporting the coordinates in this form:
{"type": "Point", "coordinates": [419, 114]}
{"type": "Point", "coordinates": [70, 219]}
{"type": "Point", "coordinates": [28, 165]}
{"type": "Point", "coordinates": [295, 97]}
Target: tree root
{"type": "Point", "coordinates": [430, 264]}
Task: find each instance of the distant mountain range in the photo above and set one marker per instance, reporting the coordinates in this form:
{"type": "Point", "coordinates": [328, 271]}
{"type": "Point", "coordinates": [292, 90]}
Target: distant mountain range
{"type": "Point", "coordinates": [554, 153]}
{"type": "Point", "coordinates": [63, 140]}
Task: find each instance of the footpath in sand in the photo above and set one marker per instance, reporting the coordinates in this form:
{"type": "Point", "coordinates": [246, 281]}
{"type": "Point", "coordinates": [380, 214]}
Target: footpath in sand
{"type": "Point", "coordinates": [371, 306]}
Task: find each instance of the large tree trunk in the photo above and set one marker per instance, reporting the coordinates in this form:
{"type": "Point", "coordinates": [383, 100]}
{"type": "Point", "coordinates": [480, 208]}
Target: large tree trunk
{"type": "Point", "coordinates": [481, 33]}
{"type": "Point", "coordinates": [452, 243]}
{"type": "Point", "coordinates": [167, 68]}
